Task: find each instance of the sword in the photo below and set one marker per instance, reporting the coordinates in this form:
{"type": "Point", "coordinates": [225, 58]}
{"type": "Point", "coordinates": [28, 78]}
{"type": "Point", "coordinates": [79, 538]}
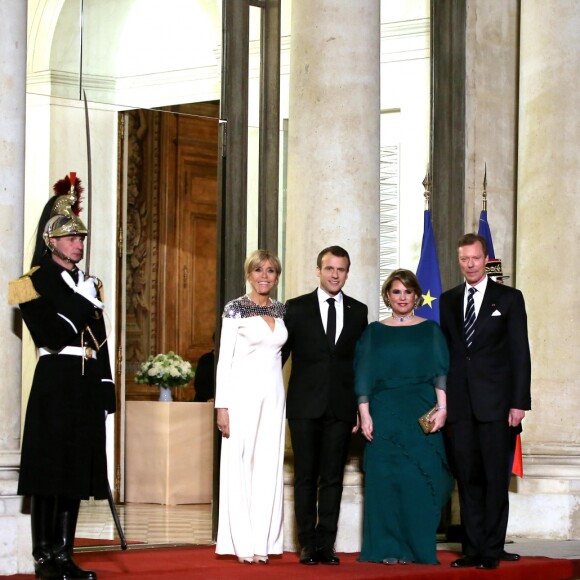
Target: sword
{"type": "Point", "coordinates": [89, 187]}
{"type": "Point", "coordinates": [116, 518]}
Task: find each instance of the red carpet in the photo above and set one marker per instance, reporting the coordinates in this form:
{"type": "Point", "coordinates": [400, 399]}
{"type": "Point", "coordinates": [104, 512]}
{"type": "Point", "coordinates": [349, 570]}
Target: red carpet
{"type": "Point", "coordinates": [202, 563]}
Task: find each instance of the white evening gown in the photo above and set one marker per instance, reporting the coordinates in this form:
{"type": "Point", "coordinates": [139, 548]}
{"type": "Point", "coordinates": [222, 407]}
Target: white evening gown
{"type": "Point", "coordinates": [249, 383]}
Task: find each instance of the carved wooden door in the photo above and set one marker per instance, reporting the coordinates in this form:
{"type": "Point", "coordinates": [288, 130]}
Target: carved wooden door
{"type": "Point", "coordinates": [188, 239]}
{"type": "Point", "coordinates": [170, 239]}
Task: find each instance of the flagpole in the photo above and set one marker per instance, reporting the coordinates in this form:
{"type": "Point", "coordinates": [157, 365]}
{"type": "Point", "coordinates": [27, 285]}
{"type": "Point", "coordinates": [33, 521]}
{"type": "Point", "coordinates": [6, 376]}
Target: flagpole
{"type": "Point", "coordinates": [427, 190]}
{"type": "Point", "coordinates": [484, 195]}
{"type": "Point", "coordinates": [484, 229]}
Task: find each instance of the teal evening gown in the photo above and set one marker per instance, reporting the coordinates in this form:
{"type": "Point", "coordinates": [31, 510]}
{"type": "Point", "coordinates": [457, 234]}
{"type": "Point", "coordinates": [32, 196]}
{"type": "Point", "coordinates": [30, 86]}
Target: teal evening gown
{"type": "Point", "coordinates": [407, 478]}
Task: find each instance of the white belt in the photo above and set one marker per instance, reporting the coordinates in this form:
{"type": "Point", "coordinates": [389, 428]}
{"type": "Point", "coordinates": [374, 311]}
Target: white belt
{"type": "Point", "coordinates": [84, 351]}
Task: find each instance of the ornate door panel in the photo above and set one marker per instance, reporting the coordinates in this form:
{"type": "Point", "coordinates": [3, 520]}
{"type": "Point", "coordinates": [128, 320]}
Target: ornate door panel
{"type": "Point", "coordinates": [188, 248]}
{"type": "Point", "coordinates": [170, 239]}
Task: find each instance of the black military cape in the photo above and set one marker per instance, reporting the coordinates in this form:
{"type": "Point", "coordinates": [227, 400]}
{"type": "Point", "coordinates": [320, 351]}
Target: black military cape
{"type": "Point", "coordinates": [63, 445]}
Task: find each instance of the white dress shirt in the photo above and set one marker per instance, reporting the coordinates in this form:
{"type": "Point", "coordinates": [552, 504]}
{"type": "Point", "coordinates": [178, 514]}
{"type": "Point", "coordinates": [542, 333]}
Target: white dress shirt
{"type": "Point", "coordinates": [477, 296]}
{"type": "Point", "coordinates": [323, 304]}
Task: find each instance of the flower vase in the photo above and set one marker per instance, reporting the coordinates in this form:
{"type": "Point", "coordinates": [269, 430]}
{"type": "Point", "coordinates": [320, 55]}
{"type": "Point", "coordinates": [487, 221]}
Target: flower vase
{"type": "Point", "coordinates": [165, 394]}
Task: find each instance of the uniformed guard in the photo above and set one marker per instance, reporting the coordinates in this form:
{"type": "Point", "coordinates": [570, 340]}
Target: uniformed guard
{"type": "Point", "coordinates": [63, 446]}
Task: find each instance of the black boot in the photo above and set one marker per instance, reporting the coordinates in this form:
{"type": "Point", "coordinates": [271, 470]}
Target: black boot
{"type": "Point", "coordinates": [42, 521]}
{"type": "Point", "coordinates": [67, 512]}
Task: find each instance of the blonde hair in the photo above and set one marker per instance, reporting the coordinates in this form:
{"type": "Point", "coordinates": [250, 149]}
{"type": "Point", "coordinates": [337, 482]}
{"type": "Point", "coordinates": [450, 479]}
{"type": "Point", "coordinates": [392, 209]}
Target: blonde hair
{"type": "Point", "coordinates": [259, 257]}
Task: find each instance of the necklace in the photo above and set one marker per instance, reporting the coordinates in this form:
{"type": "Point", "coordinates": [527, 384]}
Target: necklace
{"type": "Point", "coordinates": [403, 318]}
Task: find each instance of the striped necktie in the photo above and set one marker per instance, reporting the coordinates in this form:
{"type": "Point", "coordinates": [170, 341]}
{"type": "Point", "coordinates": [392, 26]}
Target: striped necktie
{"type": "Point", "coordinates": [469, 324]}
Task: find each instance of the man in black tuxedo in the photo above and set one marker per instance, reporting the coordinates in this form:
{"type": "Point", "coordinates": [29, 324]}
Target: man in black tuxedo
{"type": "Point", "coordinates": [323, 328]}
{"type": "Point", "coordinates": [488, 393]}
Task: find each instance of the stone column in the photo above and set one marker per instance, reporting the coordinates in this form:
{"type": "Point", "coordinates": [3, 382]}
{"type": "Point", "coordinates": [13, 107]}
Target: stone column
{"type": "Point", "coordinates": [333, 142]}
{"type": "Point", "coordinates": [333, 173]}
{"type": "Point", "coordinates": [491, 62]}
{"type": "Point", "coordinates": [14, 528]}
{"type": "Point", "coordinates": [547, 257]}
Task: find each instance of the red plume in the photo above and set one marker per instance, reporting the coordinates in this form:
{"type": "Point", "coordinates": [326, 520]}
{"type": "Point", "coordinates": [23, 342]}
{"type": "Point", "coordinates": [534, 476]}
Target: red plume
{"type": "Point", "coordinates": [63, 187]}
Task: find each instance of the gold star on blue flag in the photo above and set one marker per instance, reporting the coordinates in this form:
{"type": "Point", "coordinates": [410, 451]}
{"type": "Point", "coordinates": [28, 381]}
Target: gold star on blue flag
{"type": "Point", "coordinates": [428, 299]}
{"type": "Point", "coordinates": [428, 272]}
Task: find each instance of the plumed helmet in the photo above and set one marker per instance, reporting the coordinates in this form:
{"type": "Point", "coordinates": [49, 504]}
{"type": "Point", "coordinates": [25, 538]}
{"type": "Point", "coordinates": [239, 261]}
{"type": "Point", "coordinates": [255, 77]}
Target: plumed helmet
{"type": "Point", "coordinates": [59, 217]}
{"type": "Point", "coordinates": [64, 218]}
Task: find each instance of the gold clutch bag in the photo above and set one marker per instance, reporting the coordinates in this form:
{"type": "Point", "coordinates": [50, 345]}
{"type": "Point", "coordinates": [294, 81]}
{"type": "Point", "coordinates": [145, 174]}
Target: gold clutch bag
{"type": "Point", "coordinates": [424, 420]}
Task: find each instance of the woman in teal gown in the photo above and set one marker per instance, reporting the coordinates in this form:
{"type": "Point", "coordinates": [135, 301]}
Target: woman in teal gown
{"type": "Point", "coordinates": [400, 371]}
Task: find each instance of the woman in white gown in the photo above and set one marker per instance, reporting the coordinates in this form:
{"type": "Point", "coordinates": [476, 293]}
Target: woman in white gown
{"type": "Point", "coordinates": [250, 403]}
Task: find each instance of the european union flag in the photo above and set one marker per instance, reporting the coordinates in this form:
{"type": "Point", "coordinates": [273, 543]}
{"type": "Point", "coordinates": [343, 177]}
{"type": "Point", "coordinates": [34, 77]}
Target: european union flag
{"type": "Point", "coordinates": [428, 273]}
{"type": "Point", "coordinates": [485, 232]}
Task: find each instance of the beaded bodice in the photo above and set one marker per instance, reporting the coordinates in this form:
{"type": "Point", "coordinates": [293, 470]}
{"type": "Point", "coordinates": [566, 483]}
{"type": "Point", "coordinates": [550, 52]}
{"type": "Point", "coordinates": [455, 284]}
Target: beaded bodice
{"type": "Point", "coordinates": [243, 307]}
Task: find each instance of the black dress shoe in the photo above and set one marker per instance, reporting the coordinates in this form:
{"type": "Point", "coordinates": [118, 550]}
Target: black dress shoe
{"type": "Point", "coordinates": [465, 562]}
{"type": "Point", "coordinates": [507, 557]}
{"type": "Point", "coordinates": [327, 556]}
{"type": "Point", "coordinates": [488, 564]}
{"type": "Point", "coordinates": [308, 556]}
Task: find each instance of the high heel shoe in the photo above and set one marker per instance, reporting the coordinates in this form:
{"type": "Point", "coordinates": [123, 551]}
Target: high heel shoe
{"type": "Point", "coordinates": [260, 559]}
{"type": "Point", "coordinates": [390, 561]}
{"type": "Point", "coordinates": [245, 560]}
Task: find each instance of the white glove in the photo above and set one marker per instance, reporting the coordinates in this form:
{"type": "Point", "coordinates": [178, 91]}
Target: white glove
{"type": "Point", "coordinates": [84, 283]}
{"type": "Point", "coordinates": [86, 288]}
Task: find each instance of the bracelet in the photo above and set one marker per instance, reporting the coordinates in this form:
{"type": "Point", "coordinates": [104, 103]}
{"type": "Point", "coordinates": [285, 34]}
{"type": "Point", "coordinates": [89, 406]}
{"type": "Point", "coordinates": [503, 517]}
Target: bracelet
{"type": "Point", "coordinates": [442, 408]}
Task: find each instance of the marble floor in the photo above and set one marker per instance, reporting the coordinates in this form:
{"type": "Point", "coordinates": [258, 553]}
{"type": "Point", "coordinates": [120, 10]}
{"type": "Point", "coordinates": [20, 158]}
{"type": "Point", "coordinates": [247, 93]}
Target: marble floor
{"type": "Point", "coordinates": [150, 524]}
{"type": "Point", "coordinates": [154, 525]}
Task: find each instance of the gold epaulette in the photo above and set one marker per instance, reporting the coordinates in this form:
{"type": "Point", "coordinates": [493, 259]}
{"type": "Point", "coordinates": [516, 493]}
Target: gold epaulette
{"type": "Point", "coordinates": [22, 290]}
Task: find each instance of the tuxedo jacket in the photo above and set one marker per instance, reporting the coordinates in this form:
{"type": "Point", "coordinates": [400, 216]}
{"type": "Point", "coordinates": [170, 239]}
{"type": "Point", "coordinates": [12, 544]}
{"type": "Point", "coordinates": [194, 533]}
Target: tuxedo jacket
{"type": "Point", "coordinates": [321, 376]}
{"type": "Point", "coordinates": [494, 374]}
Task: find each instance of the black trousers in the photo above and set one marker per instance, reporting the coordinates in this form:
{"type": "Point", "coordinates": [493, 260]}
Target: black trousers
{"type": "Point", "coordinates": [320, 449]}
{"type": "Point", "coordinates": [481, 454]}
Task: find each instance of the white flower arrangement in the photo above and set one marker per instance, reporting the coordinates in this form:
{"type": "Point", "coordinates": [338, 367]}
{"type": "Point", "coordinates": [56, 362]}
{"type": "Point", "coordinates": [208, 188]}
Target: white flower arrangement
{"type": "Point", "coordinates": [165, 370]}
